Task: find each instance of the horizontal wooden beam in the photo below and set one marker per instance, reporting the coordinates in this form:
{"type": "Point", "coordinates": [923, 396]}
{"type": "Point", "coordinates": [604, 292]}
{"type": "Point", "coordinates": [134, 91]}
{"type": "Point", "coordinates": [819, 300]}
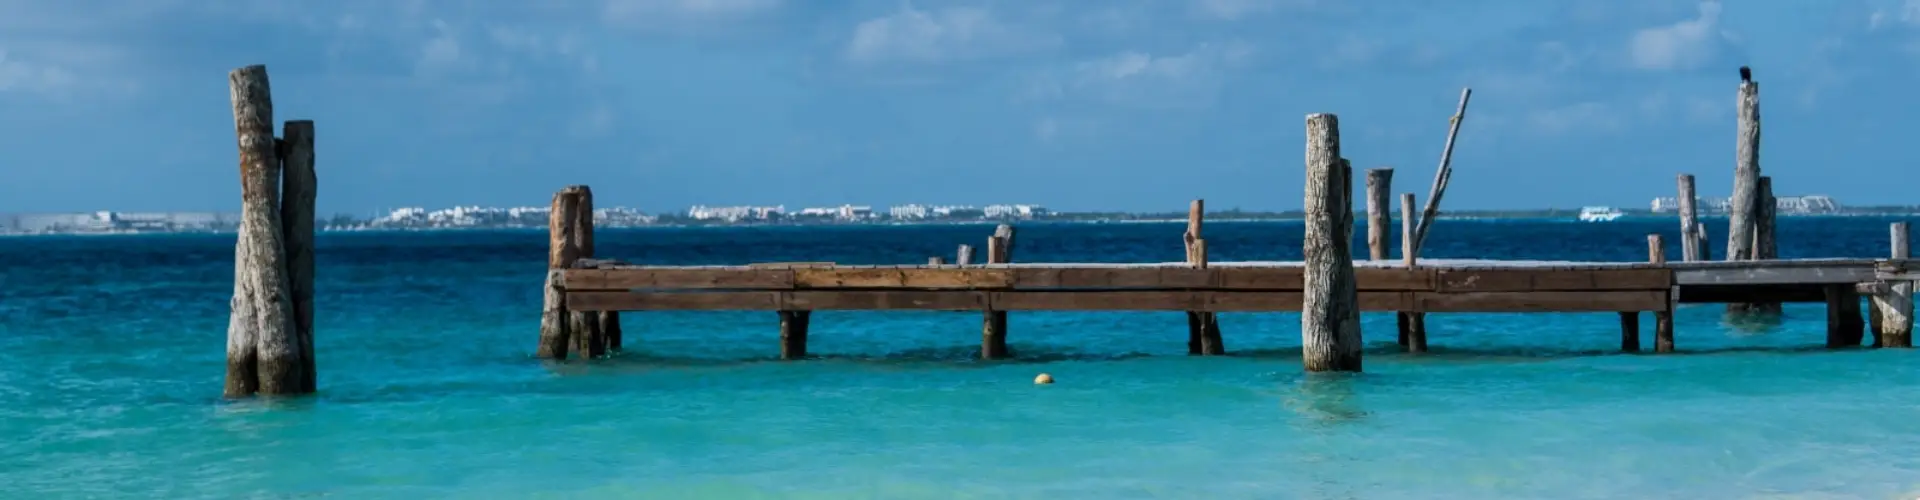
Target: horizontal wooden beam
{"type": "Point", "coordinates": [1109, 300]}
{"type": "Point", "coordinates": [1837, 273]}
{"type": "Point", "coordinates": [1105, 278]}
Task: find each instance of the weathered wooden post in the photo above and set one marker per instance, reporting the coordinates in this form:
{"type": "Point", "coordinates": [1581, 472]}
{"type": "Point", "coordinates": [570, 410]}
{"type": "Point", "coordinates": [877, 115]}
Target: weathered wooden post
{"type": "Point", "coordinates": [1894, 300]}
{"type": "Point", "coordinates": [1764, 247]}
{"type": "Point", "coordinates": [265, 351]}
{"type": "Point", "coordinates": [936, 261]}
{"type": "Point", "coordinates": [1844, 322]}
{"type": "Point", "coordinates": [1689, 215]}
{"type": "Point", "coordinates": [589, 341]}
{"type": "Point", "coordinates": [963, 256]}
{"type": "Point", "coordinates": [1379, 212]}
{"type": "Point", "coordinates": [1743, 207]}
{"type": "Point", "coordinates": [556, 329]}
{"type": "Point", "coordinates": [993, 330]}
{"type": "Point", "coordinates": [1203, 328]}
{"type": "Point", "coordinates": [299, 189]}
{"type": "Point", "coordinates": [1413, 325]}
{"type": "Point", "coordinates": [1700, 241]}
{"type": "Point", "coordinates": [1329, 318]}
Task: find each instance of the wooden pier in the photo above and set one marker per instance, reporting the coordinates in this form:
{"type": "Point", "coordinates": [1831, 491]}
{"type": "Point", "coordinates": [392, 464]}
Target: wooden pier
{"type": "Point", "coordinates": [1438, 286]}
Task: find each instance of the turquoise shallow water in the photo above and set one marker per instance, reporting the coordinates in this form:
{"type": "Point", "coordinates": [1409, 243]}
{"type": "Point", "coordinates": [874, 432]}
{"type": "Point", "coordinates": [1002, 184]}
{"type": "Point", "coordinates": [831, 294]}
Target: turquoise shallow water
{"type": "Point", "coordinates": [111, 360]}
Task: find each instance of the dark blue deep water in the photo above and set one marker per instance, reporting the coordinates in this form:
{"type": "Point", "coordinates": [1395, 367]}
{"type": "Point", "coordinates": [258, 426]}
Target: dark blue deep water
{"type": "Point", "coordinates": [111, 355]}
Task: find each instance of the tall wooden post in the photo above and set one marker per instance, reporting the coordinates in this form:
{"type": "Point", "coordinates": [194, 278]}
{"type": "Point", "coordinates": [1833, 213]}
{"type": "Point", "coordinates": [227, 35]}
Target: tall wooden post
{"type": "Point", "coordinates": [1203, 328]}
{"type": "Point", "coordinates": [1844, 322]}
{"type": "Point", "coordinates": [1894, 301]}
{"type": "Point", "coordinates": [1700, 241]}
{"type": "Point", "coordinates": [963, 256]}
{"type": "Point", "coordinates": [589, 341]}
{"type": "Point", "coordinates": [1743, 206]}
{"type": "Point", "coordinates": [299, 189]}
{"type": "Point", "coordinates": [1329, 318]}
{"type": "Point", "coordinates": [1413, 325]}
{"type": "Point", "coordinates": [563, 249]}
{"type": "Point", "coordinates": [1379, 212]}
{"type": "Point", "coordinates": [993, 330]}
{"type": "Point", "coordinates": [1689, 215]}
{"type": "Point", "coordinates": [264, 348]}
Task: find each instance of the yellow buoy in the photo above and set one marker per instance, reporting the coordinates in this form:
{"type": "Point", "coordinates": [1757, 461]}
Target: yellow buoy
{"type": "Point", "coordinates": [1043, 379]}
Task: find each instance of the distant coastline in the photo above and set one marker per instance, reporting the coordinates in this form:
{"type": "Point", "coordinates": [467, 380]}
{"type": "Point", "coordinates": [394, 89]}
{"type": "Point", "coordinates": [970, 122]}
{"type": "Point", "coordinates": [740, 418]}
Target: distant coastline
{"type": "Point", "coordinates": [88, 224]}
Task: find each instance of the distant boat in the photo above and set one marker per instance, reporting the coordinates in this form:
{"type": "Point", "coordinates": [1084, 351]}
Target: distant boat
{"type": "Point", "coordinates": [1599, 214]}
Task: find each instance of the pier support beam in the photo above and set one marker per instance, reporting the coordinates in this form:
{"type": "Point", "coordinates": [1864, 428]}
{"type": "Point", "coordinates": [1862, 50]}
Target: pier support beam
{"type": "Point", "coordinates": [1329, 316]}
{"type": "Point", "coordinates": [1413, 325]}
{"type": "Point", "coordinates": [1203, 328]}
{"type": "Point", "coordinates": [793, 334]}
{"type": "Point", "coordinates": [963, 256]}
{"type": "Point", "coordinates": [1893, 300]}
{"type": "Point", "coordinates": [1844, 322]}
{"type": "Point", "coordinates": [267, 353]}
{"type": "Point", "coordinates": [993, 328]}
{"type": "Point", "coordinates": [556, 324]}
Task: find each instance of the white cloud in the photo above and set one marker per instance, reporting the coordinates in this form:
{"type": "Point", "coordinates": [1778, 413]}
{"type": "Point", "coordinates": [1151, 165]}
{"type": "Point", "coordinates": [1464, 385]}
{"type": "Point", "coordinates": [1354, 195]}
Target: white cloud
{"type": "Point", "coordinates": [1907, 13]}
{"type": "Point", "coordinates": [944, 35]}
{"type": "Point", "coordinates": [29, 76]}
{"type": "Point", "coordinates": [1188, 80]}
{"type": "Point", "coordinates": [1682, 45]}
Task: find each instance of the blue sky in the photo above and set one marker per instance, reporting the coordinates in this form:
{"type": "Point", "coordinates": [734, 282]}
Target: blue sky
{"type": "Point", "coordinates": [1081, 104]}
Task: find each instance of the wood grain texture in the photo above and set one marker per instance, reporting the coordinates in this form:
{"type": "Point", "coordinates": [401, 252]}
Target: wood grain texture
{"type": "Point", "coordinates": [1744, 202]}
{"type": "Point", "coordinates": [263, 346]}
{"type": "Point", "coordinates": [562, 251]}
{"type": "Point", "coordinates": [1108, 300]}
{"type": "Point", "coordinates": [1329, 318]}
{"type": "Point", "coordinates": [1689, 217]}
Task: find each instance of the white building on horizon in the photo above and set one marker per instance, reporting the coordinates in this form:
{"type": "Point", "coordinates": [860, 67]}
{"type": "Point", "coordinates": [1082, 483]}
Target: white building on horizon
{"type": "Point", "coordinates": [1021, 211]}
{"type": "Point", "coordinates": [1810, 204]}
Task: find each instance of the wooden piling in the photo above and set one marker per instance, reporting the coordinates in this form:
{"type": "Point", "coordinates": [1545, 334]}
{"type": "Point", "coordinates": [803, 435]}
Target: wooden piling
{"type": "Point", "coordinates": [1329, 319]}
{"type": "Point", "coordinates": [1379, 212]}
{"type": "Point", "coordinates": [1700, 241]}
{"type": "Point", "coordinates": [589, 341]}
{"type": "Point", "coordinates": [1844, 322]}
{"type": "Point", "coordinates": [264, 348]}
{"type": "Point", "coordinates": [993, 329]}
{"type": "Point", "coordinates": [1203, 328]}
{"type": "Point", "coordinates": [936, 261]}
{"type": "Point", "coordinates": [562, 251]}
{"type": "Point", "coordinates": [1764, 247]}
{"type": "Point", "coordinates": [793, 334]}
{"type": "Point", "coordinates": [1894, 301]}
{"type": "Point", "coordinates": [1689, 216]}
{"type": "Point", "coordinates": [1662, 320]}
{"type": "Point", "coordinates": [299, 190]}
{"type": "Point", "coordinates": [963, 256]}
{"type": "Point", "coordinates": [1412, 325]}
{"type": "Point", "coordinates": [1743, 206]}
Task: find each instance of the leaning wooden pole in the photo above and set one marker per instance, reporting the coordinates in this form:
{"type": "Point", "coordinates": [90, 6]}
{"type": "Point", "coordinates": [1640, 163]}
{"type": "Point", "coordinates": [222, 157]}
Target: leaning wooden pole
{"type": "Point", "coordinates": [562, 251]}
{"type": "Point", "coordinates": [263, 342]}
{"type": "Point", "coordinates": [1203, 329]}
{"type": "Point", "coordinates": [993, 329]}
{"type": "Point", "coordinates": [1689, 216]}
{"type": "Point", "coordinates": [299, 191]}
{"type": "Point", "coordinates": [1442, 175]}
{"type": "Point", "coordinates": [1329, 318]}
